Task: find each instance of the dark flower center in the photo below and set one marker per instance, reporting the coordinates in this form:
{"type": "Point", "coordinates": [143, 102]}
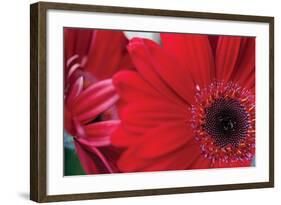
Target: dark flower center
{"type": "Point", "coordinates": [226, 124]}
{"type": "Point", "coordinates": [223, 122]}
{"type": "Point", "coordinates": [226, 121]}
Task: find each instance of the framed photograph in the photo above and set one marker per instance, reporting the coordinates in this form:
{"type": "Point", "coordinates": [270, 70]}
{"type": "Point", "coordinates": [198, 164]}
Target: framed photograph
{"type": "Point", "coordinates": [134, 102]}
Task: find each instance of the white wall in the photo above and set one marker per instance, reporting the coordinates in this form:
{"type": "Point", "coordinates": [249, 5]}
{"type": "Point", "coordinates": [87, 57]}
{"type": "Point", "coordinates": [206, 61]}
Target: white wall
{"type": "Point", "coordinates": [14, 92]}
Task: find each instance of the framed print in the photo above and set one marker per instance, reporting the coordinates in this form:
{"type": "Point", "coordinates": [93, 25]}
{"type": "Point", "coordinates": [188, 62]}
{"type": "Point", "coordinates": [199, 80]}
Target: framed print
{"type": "Point", "coordinates": [134, 102]}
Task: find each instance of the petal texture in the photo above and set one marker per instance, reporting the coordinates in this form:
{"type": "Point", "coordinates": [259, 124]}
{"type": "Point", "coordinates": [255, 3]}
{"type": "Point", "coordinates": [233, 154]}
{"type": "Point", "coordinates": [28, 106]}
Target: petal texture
{"type": "Point", "coordinates": [194, 53]}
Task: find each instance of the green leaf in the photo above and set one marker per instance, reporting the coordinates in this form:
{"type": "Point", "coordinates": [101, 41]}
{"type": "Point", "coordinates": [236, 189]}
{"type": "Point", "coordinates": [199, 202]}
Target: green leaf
{"type": "Point", "coordinates": [72, 164]}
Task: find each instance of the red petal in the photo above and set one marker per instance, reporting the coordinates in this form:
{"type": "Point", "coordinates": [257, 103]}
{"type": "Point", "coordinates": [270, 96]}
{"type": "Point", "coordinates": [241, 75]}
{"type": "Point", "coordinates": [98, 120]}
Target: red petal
{"type": "Point", "coordinates": [201, 163]}
{"type": "Point", "coordinates": [194, 53]}
{"type": "Point", "coordinates": [131, 87]}
{"type": "Point", "coordinates": [232, 164]}
{"type": "Point", "coordinates": [86, 160]}
{"type": "Point", "coordinates": [250, 82]}
{"type": "Point", "coordinates": [97, 107]}
{"type": "Point", "coordinates": [76, 41]}
{"type": "Point", "coordinates": [180, 159]}
{"type": "Point", "coordinates": [101, 129]}
{"type": "Point", "coordinates": [95, 161]}
{"type": "Point", "coordinates": [126, 62]}
{"type": "Point", "coordinates": [69, 43]}
{"type": "Point", "coordinates": [163, 139]}
{"type": "Point", "coordinates": [141, 116]}
{"type": "Point", "coordinates": [144, 107]}
{"type": "Point", "coordinates": [83, 40]}
{"type": "Point", "coordinates": [68, 123]}
{"type": "Point", "coordinates": [213, 39]}
{"type": "Point", "coordinates": [96, 142]}
{"type": "Point", "coordinates": [94, 88]}
{"type": "Point", "coordinates": [245, 66]}
{"type": "Point", "coordinates": [74, 91]}
{"type": "Point", "coordinates": [107, 49]}
{"type": "Point", "coordinates": [97, 97]}
{"type": "Point", "coordinates": [226, 56]}
{"type": "Point", "coordinates": [94, 100]}
{"type": "Point", "coordinates": [161, 70]}
{"type": "Point", "coordinates": [120, 138]}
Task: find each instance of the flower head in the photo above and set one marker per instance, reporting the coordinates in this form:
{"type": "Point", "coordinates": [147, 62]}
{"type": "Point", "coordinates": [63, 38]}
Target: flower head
{"type": "Point", "coordinates": [89, 95]}
{"type": "Point", "coordinates": [191, 103]}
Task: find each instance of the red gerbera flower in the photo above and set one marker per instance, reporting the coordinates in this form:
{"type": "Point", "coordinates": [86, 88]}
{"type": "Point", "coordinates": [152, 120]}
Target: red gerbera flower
{"type": "Point", "coordinates": [190, 105]}
{"type": "Point", "coordinates": [89, 114]}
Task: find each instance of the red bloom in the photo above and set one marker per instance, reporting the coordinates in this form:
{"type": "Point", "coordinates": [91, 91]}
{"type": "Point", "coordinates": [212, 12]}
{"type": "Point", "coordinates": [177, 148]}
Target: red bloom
{"type": "Point", "coordinates": [89, 96]}
{"type": "Point", "coordinates": [190, 105]}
